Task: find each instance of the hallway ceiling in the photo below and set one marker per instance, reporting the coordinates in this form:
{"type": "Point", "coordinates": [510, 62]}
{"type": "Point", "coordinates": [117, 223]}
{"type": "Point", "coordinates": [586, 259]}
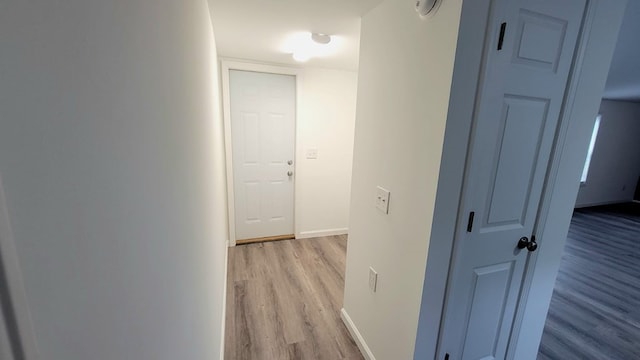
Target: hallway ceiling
{"type": "Point", "coordinates": [623, 82]}
{"type": "Point", "coordinates": [258, 29]}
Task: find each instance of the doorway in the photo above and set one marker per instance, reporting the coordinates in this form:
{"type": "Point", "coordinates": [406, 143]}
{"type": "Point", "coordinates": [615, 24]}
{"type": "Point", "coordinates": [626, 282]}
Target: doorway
{"type": "Point", "coordinates": [594, 308]}
{"type": "Point", "coordinates": [530, 48]}
{"type": "Point", "coordinates": [260, 119]}
{"type": "Point", "coordinates": [593, 311]}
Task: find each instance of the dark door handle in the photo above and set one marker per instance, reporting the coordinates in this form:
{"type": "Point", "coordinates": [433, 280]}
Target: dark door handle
{"type": "Point", "coordinates": [530, 245]}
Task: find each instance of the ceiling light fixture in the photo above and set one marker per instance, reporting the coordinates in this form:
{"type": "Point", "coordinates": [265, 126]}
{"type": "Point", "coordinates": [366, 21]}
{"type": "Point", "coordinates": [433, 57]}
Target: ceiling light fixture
{"type": "Point", "coordinates": [323, 39]}
{"type": "Point", "coordinates": [306, 45]}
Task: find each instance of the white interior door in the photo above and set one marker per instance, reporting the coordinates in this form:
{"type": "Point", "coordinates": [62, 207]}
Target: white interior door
{"type": "Point", "coordinates": [263, 142]}
{"type": "Point", "coordinates": [526, 70]}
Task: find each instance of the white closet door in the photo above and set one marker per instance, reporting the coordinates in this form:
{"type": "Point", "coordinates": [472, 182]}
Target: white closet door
{"type": "Point", "coordinates": [530, 48]}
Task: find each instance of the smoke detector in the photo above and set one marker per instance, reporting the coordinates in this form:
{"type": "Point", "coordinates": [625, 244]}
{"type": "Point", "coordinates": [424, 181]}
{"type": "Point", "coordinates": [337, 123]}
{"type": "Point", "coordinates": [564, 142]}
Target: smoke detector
{"type": "Point", "coordinates": [424, 7]}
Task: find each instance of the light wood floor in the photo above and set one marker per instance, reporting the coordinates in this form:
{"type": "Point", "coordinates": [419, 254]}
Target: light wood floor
{"type": "Point", "coordinates": [284, 300]}
{"type": "Point", "coordinates": [595, 308]}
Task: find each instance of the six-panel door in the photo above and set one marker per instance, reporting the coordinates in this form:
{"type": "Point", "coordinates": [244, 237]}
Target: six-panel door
{"type": "Point", "coordinates": [263, 133]}
{"type": "Point", "coordinates": [519, 103]}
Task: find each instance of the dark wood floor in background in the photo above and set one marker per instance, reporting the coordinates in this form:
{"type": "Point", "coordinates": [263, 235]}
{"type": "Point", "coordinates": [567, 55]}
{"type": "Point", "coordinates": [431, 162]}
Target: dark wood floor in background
{"type": "Point", "coordinates": [284, 300]}
{"type": "Point", "coordinates": [595, 308]}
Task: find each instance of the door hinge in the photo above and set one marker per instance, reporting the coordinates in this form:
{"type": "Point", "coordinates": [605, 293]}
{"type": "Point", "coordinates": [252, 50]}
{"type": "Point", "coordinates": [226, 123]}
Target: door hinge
{"type": "Point", "coordinates": [503, 29]}
{"type": "Point", "coordinates": [446, 356]}
{"type": "Point", "coordinates": [470, 223]}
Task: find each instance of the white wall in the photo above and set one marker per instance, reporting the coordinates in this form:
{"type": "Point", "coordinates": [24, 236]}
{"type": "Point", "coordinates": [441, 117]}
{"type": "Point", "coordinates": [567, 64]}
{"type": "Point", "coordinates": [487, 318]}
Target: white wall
{"type": "Point", "coordinates": [326, 121]}
{"type": "Point", "coordinates": [615, 164]}
{"type": "Point", "coordinates": [110, 150]}
{"type": "Point", "coordinates": [623, 80]}
{"type": "Point", "coordinates": [405, 74]}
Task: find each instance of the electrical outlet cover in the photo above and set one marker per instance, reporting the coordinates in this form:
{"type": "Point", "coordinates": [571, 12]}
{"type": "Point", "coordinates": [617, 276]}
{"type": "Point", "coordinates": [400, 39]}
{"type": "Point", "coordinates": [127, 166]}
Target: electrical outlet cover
{"type": "Point", "coordinates": [382, 199]}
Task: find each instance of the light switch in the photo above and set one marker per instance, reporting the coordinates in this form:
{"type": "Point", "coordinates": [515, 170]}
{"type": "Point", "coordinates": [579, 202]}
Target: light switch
{"type": "Point", "coordinates": [312, 153]}
{"type": "Point", "coordinates": [373, 280]}
{"type": "Point", "coordinates": [382, 199]}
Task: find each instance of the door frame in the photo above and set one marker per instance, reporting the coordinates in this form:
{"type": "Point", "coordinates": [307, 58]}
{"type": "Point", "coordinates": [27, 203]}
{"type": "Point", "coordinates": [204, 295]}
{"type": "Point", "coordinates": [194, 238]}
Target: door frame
{"type": "Point", "coordinates": [584, 92]}
{"type": "Point", "coordinates": [227, 65]}
{"type": "Point", "coordinates": [16, 315]}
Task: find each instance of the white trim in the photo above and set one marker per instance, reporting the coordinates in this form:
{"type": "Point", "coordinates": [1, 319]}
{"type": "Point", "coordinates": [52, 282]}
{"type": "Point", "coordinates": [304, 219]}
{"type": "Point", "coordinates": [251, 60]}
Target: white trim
{"type": "Point", "coordinates": [601, 203]}
{"type": "Point", "coordinates": [357, 337]}
{"type": "Point", "coordinates": [232, 64]}
{"type": "Point", "coordinates": [15, 286]}
{"type": "Point", "coordinates": [223, 325]}
{"type": "Point", "coordinates": [466, 76]}
{"type": "Point", "coordinates": [320, 233]}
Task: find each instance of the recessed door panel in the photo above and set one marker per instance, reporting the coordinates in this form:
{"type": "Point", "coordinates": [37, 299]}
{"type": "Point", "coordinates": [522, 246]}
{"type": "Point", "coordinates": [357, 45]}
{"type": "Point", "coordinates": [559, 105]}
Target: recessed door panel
{"type": "Point", "coordinates": [490, 289]}
{"type": "Point", "coordinates": [539, 40]}
{"type": "Point", "coordinates": [275, 194]}
{"type": "Point", "coordinates": [517, 152]}
{"type": "Point", "coordinates": [251, 135]}
{"type": "Point", "coordinates": [274, 152]}
{"type": "Point", "coordinates": [252, 201]}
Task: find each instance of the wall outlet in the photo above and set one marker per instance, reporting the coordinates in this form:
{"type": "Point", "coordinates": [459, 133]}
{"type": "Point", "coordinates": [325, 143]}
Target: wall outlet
{"type": "Point", "coordinates": [373, 279]}
{"type": "Point", "coordinates": [312, 153]}
{"type": "Point", "coordinates": [382, 199]}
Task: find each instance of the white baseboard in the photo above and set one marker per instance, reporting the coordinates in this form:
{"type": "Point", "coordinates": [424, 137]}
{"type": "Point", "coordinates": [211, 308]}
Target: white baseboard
{"type": "Point", "coordinates": [320, 233]}
{"type": "Point", "coordinates": [601, 203]}
{"type": "Point", "coordinates": [355, 334]}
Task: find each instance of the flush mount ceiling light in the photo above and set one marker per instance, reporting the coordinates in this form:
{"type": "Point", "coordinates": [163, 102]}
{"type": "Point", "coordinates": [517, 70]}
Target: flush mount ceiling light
{"type": "Point", "coordinates": [306, 45]}
{"type": "Point", "coordinates": [321, 38]}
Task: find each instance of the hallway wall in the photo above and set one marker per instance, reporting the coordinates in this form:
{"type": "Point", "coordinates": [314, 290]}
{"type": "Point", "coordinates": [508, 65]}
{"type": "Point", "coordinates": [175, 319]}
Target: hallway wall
{"type": "Point", "coordinates": [327, 109]}
{"type": "Point", "coordinates": [110, 148]}
{"type": "Point", "coordinates": [404, 82]}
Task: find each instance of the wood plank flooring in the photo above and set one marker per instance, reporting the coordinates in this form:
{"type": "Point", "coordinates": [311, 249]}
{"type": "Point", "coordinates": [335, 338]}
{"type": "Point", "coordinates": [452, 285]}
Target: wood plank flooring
{"type": "Point", "coordinates": [284, 300]}
{"type": "Point", "coordinates": [595, 308]}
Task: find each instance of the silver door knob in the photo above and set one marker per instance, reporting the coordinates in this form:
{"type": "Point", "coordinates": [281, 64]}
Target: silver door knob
{"type": "Point", "coordinates": [290, 162]}
{"type": "Point", "coordinates": [290, 173]}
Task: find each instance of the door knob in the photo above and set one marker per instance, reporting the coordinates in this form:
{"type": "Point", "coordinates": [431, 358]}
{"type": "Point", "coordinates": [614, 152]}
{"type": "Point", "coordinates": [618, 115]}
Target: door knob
{"type": "Point", "coordinates": [290, 173]}
{"type": "Point", "coordinates": [530, 245]}
{"type": "Point", "coordinates": [290, 162]}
